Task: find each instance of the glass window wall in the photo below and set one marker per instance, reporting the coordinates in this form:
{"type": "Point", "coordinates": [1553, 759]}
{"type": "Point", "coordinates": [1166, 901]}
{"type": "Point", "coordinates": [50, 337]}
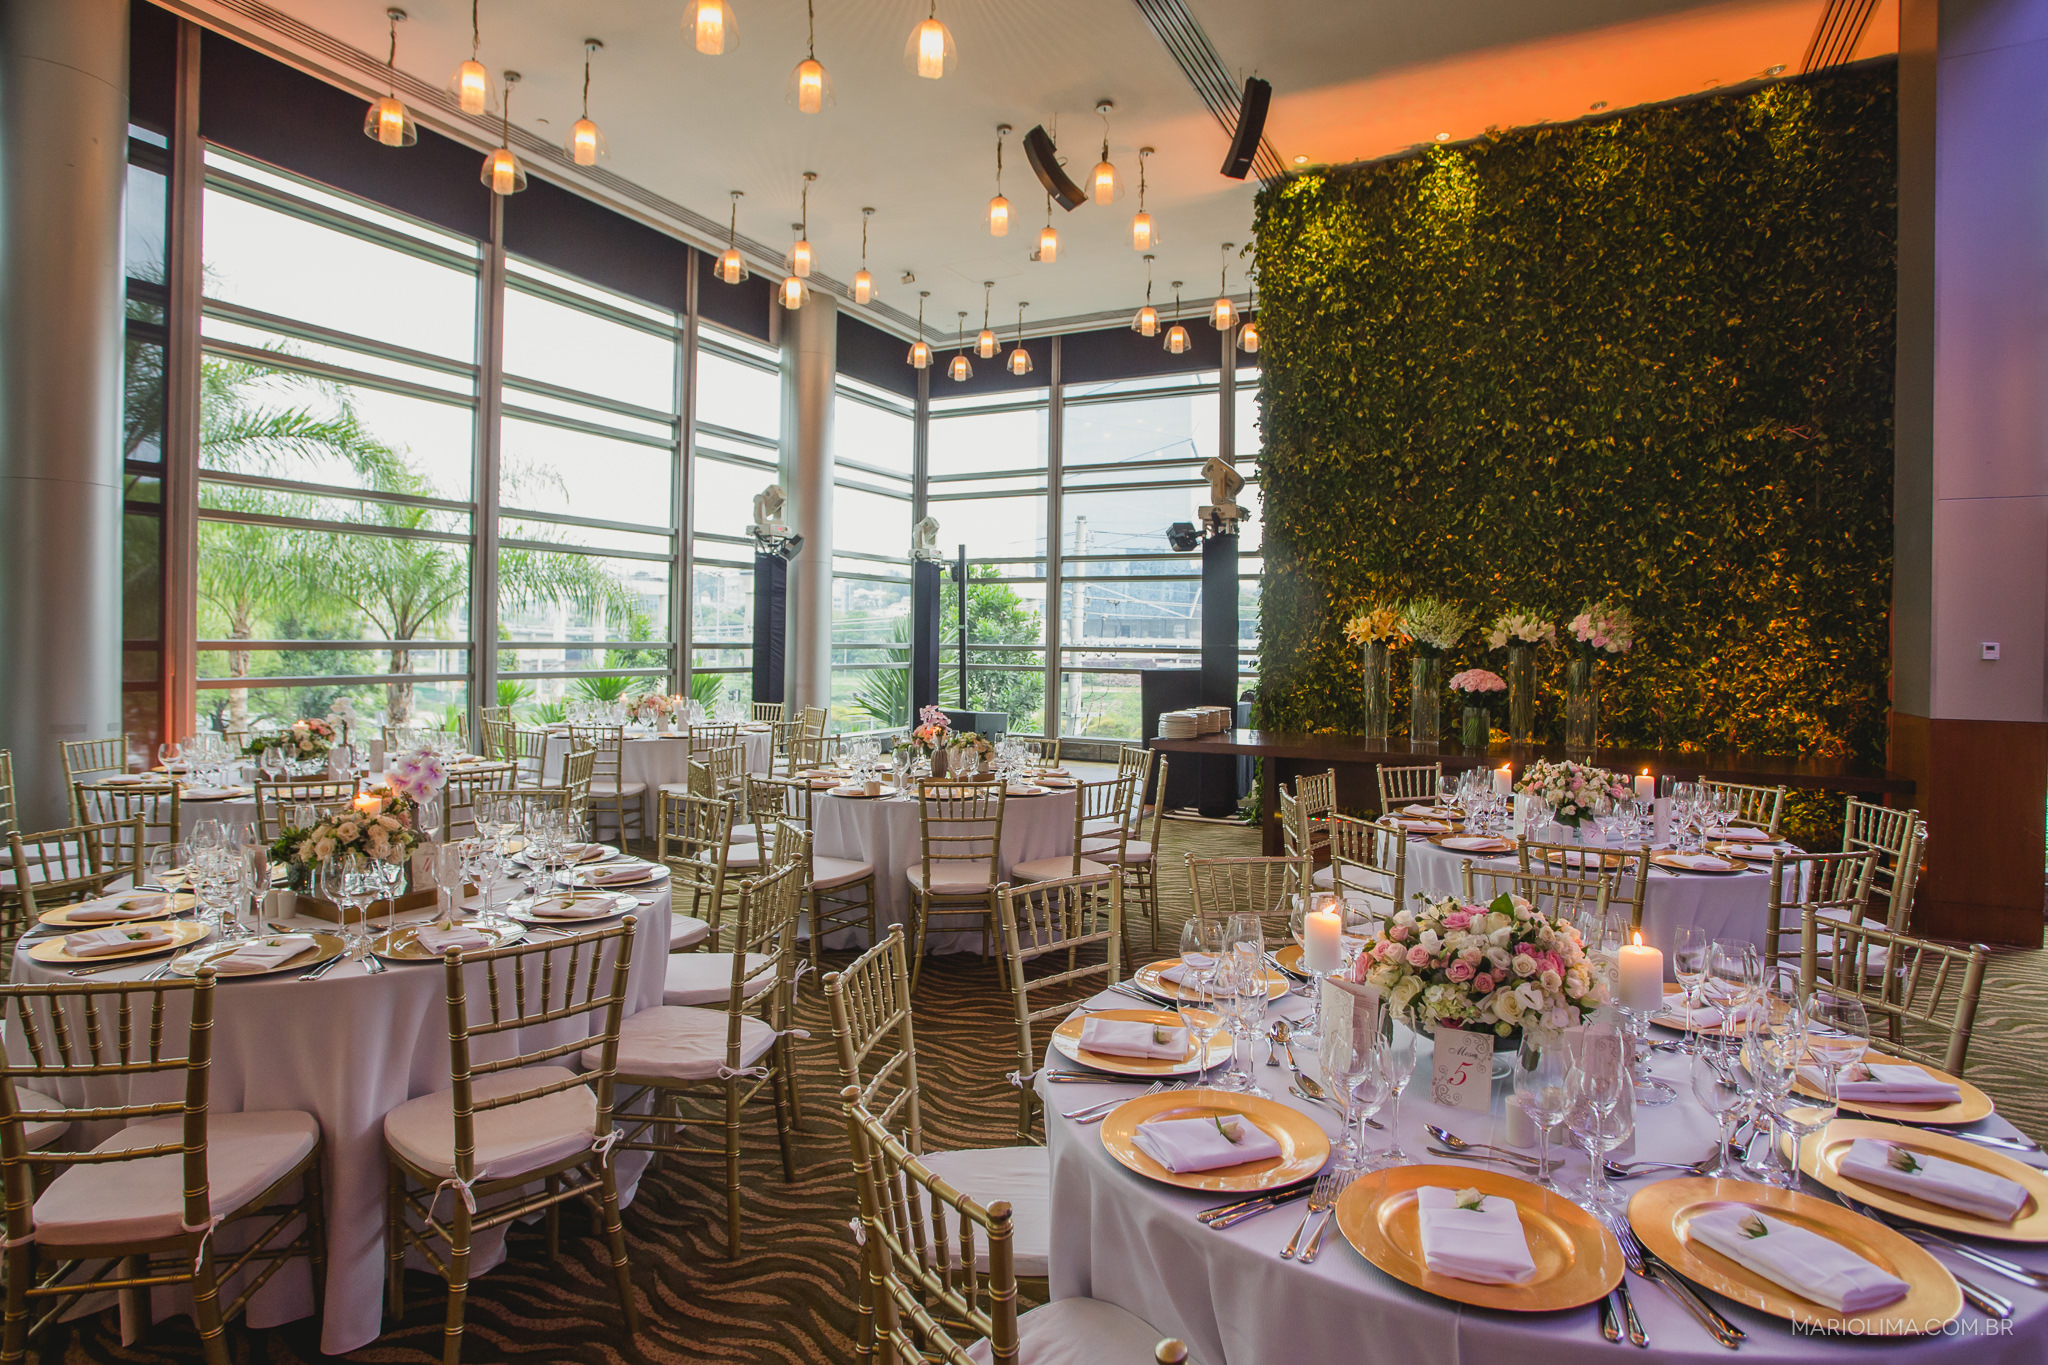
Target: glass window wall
{"type": "Point", "coordinates": [872, 440]}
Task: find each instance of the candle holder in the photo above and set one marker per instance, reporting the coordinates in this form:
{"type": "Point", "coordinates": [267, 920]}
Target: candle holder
{"type": "Point", "coordinates": [1650, 1092]}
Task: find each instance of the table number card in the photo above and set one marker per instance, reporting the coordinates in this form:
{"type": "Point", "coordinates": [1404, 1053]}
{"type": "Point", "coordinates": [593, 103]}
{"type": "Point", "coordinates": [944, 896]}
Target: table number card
{"type": "Point", "coordinates": [1462, 1075]}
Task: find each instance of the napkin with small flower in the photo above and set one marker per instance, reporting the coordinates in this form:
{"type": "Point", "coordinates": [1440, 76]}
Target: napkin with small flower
{"type": "Point", "coordinates": [1475, 843]}
{"type": "Point", "coordinates": [435, 939]}
{"type": "Point", "coordinates": [262, 954]}
{"type": "Point", "coordinates": [1423, 826]}
{"type": "Point", "coordinates": [1888, 1083]}
{"type": "Point", "coordinates": [1955, 1184]}
{"type": "Point", "coordinates": [1133, 1038]}
{"type": "Point", "coordinates": [616, 875]}
{"type": "Point", "coordinates": [573, 907]}
{"type": "Point", "coordinates": [111, 911]}
{"type": "Point", "coordinates": [1471, 1236]}
{"type": "Point", "coordinates": [1204, 1144]}
{"type": "Point", "coordinates": [1193, 962]}
{"type": "Point", "coordinates": [1808, 1264]}
{"type": "Point", "coordinates": [1699, 862]}
{"type": "Point", "coordinates": [101, 942]}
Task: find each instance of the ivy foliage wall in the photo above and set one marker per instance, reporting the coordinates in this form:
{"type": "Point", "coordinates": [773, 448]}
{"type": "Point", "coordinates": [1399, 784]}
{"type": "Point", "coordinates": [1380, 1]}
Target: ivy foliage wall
{"type": "Point", "coordinates": [1646, 359]}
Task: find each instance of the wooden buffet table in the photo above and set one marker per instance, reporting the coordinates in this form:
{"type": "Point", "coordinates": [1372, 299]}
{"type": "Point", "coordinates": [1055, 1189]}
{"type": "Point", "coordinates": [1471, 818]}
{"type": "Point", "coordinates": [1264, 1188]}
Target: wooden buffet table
{"type": "Point", "coordinates": [1357, 762]}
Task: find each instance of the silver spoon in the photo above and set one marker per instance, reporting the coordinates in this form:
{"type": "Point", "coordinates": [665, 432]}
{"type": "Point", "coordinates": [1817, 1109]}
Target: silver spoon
{"type": "Point", "coordinates": [1276, 1039]}
{"type": "Point", "coordinates": [1458, 1144]}
{"type": "Point", "coordinates": [1312, 1090]}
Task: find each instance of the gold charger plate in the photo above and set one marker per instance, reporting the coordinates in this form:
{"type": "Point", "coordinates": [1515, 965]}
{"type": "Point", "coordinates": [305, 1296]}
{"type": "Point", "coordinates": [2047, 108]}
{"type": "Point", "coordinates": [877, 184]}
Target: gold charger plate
{"type": "Point", "coordinates": [656, 872]}
{"type": "Point", "coordinates": [1416, 825]}
{"type": "Point", "coordinates": [615, 906]}
{"type": "Point", "coordinates": [1660, 1213]}
{"type": "Point", "coordinates": [1973, 1105]}
{"type": "Point", "coordinates": [1664, 860]}
{"type": "Point", "coordinates": [183, 933]}
{"type": "Point", "coordinates": [172, 903]}
{"type": "Point", "coordinates": [1289, 959]}
{"type": "Point", "coordinates": [323, 948]}
{"type": "Point", "coordinates": [1303, 1146]}
{"type": "Point", "coordinates": [402, 944]}
{"type": "Point", "coordinates": [1820, 1156]}
{"type": "Point", "coordinates": [1066, 1039]}
{"type": "Point", "coordinates": [1148, 979]}
{"type": "Point", "coordinates": [1577, 1260]}
{"type": "Point", "coordinates": [860, 794]}
{"type": "Point", "coordinates": [199, 795]}
{"type": "Point", "coordinates": [1760, 854]}
{"type": "Point", "coordinates": [1498, 844]}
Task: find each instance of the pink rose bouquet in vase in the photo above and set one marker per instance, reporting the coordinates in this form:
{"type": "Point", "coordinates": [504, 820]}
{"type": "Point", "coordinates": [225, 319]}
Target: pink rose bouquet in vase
{"type": "Point", "coordinates": [1479, 687]}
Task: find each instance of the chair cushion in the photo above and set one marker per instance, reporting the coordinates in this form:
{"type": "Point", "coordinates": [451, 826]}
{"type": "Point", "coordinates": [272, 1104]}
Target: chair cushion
{"type": "Point", "coordinates": [706, 978]}
{"type": "Point", "coordinates": [1052, 869]}
{"type": "Point", "coordinates": [827, 873]}
{"type": "Point", "coordinates": [685, 932]}
{"type": "Point", "coordinates": [1080, 1332]}
{"type": "Point", "coordinates": [144, 1200]}
{"type": "Point", "coordinates": [1325, 877]}
{"type": "Point", "coordinates": [675, 1043]}
{"type": "Point", "coordinates": [954, 879]}
{"type": "Point", "coordinates": [520, 1137]}
{"type": "Point", "coordinates": [745, 834]}
{"type": "Point", "coordinates": [1021, 1175]}
{"type": "Point", "coordinates": [40, 1133]}
{"type": "Point", "coordinates": [609, 788]}
{"type": "Point", "coordinates": [1135, 851]}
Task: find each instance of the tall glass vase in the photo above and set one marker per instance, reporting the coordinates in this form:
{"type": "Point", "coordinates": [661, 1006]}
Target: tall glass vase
{"type": "Point", "coordinates": [1378, 683]}
{"type": "Point", "coordinates": [1581, 704]}
{"type": "Point", "coordinates": [1521, 691]}
{"type": "Point", "coordinates": [1426, 698]}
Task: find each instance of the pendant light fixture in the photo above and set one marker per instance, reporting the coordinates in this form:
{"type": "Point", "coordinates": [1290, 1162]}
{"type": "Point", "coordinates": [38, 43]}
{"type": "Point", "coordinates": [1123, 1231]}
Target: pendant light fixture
{"type": "Point", "coordinates": [586, 145]}
{"type": "Point", "coordinates": [810, 89]}
{"type": "Point", "coordinates": [962, 369]}
{"type": "Point", "coordinates": [929, 53]}
{"type": "Point", "coordinates": [1104, 184]}
{"type": "Point", "coordinates": [1223, 313]}
{"type": "Point", "coordinates": [998, 216]}
{"type": "Point", "coordinates": [1176, 335]}
{"type": "Point", "coordinates": [709, 25]}
{"type": "Point", "coordinates": [502, 171]}
{"type": "Point", "coordinates": [1048, 238]}
{"type": "Point", "coordinates": [1146, 323]}
{"type": "Point", "coordinates": [732, 267]}
{"type": "Point", "coordinates": [1020, 359]}
{"type": "Point", "coordinates": [800, 250]}
{"type": "Point", "coordinates": [920, 356]}
{"type": "Point", "coordinates": [1248, 335]}
{"type": "Point", "coordinates": [387, 122]}
{"type": "Point", "coordinates": [471, 84]}
{"type": "Point", "coordinates": [863, 282]}
{"type": "Point", "coordinates": [986, 344]}
{"type": "Point", "coordinates": [1142, 236]}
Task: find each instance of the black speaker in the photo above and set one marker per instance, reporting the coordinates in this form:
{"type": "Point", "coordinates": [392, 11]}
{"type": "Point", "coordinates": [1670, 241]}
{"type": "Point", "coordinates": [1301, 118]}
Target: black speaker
{"type": "Point", "coordinates": [1045, 163]}
{"type": "Point", "coordinates": [1251, 126]}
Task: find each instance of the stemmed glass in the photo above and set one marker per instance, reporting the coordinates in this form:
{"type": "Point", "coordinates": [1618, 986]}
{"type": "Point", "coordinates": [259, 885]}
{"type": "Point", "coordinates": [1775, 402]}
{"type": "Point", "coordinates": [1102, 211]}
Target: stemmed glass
{"type": "Point", "coordinates": [1597, 1091]}
{"type": "Point", "coordinates": [1248, 1008]}
{"type": "Point", "coordinates": [1541, 1073]}
{"type": "Point", "coordinates": [270, 762]}
{"type": "Point", "coordinates": [1837, 1033]}
{"type": "Point", "coordinates": [168, 867]}
{"type": "Point", "coordinates": [389, 875]}
{"type": "Point", "coordinates": [1689, 965]}
{"type": "Point", "coordinates": [169, 755]}
{"type": "Point", "coordinates": [1717, 1085]}
{"type": "Point", "coordinates": [1735, 973]}
{"type": "Point", "coordinates": [1199, 1012]}
{"type": "Point", "coordinates": [1776, 1040]}
{"type": "Point", "coordinates": [346, 880]}
{"type": "Point", "coordinates": [1400, 1049]}
{"type": "Point", "coordinates": [1355, 1070]}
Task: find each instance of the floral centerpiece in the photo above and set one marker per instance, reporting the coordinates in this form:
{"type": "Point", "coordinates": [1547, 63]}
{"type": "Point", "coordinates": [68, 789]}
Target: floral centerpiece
{"type": "Point", "coordinates": [1602, 628]}
{"type": "Point", "coordinates": [1434, 626]}
{"type": "Point", "coordinates": [1376, 628]}
{"type": "Point", "coordinates": [1504, 968]}
{"type": "Point", "coordinates": [1573, 791]}
{"type": "Point", "coordinates": [965, 742]}
{"type": "Point", "coordinates": [303, 741]}
{"type": "Point", "coordinates": [1517, 626]}
{"type": "Point", "coordinates": [382, 824]}
{"type": "Point", "coordinates": [933, 732]}
{"type": "Point", "coordinates": [1521, 632]}
{"type": "Point", "coordinates": [1478, 684]}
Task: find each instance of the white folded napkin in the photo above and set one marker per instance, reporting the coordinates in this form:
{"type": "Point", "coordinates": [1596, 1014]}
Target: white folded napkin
{"type": "Point", "coordinates": [1485, 1245]}
{"type": "Point", "coordinates": [129, 779]}
{"type": "Point", "coordinates": [1808, 1264]}
{"type": "Point", "coordinates": [1712, 862]}
{"type": "Point", "coordinates": [1200, 962]}
{"type": "Point", "coordinates": [262, 954]}
{"type": "Point", "coordinates": [1707, 1016]}
{"type": "Point", "coordinates": [1423, 826]}
{"type": "Point", "coordinates": [437, 940]}
{"type": "Point", "coordinates": [573, 907]}
{"type": "Point", "coordinates": [1134, 1038]}
{"type": "Point", "coordinates": [127, 907]}
{"type": "Point", "coordinates": [210, 793]}
{"type": "Point", "coordinates": [1472, 841]}
{"type": "Point", "coordinates": [1955, 1184]}
{"type": "Point", "coordinates": [1889, 1083]}
{"type": "Point", "coordinates": [1424, 811]}
{"type": "Point", "coordinates": [587, 853]}
{"type": "Point", "coordinates": [612, 876]}
{"type": "Point", "coordinates": [1738, 834]}
{"type": "Point", "coordinates": [1184, 1145]}
{"type": "Point", "coordinates": [100, 942]}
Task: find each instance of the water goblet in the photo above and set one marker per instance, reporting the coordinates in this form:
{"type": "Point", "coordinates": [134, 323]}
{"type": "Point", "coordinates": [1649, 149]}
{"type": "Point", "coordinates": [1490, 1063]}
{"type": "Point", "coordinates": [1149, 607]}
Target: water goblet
{"type": "Point", "coordinates": [1541, 1070]}
{"type": "Point", "coordinates": [1400, 1034]}
{"type": "Point", "coordinates": [1717, 1085]}
{"type": "Point", "coordinates": [1595, 1090]}
{"type": "Point", "coordinates": [1200, 1013]}
{"type": "Point", "coordinates": [1356, 1072]}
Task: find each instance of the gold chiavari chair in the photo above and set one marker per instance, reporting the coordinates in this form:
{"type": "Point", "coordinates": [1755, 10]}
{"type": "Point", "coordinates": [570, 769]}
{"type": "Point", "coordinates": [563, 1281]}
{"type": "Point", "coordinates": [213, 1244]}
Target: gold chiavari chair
{"type": "Point", "coordinates": [693, 844]}
{"type": "Point", "coordinates": [1629, 869]}
{"type": "Point", "coordinates": [465, 785]}
{"type": "Point", "coordinates": [839, 893]}
{"type": "Point", "coordinates": [812, 751]}
{"type": "Point", "coordinates": [1925, 993]}
{"type": "Point", "coordinates": [1418, 782]}
{"type": "Point", "coordinates": [527, 750]}
{"type": "Point", "coordinates": [526, 1117]}
{"type": "Point", "coordinates": [1315, 796]}
{"type": "Point", "coordinates": [1046, 750]}
{"type": "Point", "coordinates": [1067, 921]}
{"type": "Point", "coordinates": [928, 1293]}
{"type": "Point", "coordinates": [1748, 805]}
{"type": "Point", "coordinates": [494, 735]}
{"type": "Point", "coordinates": [1102, 813]}
{"type": "Point", "coordinates": [611, 795]}
{"type": "Point", "coordinates": [714, 735]}
{"type": "Point", "coordinates": [1141, 855]}
{"type": "Point", "coordinates": [1898, 836]}
{"type": "Point", "coordinates": [815, 718]}
{"type": "Point", "coordinates": [1833, 887]}
{"type": "Point", "coordinates": [727, 1052]}
{"type": "Point", "coordinates": [877, 1049]}
{"type": "Point", "coordinates": [1266, 887]}
{"type": "Point", "coordinates": [767, 712]}
{"type": "Point", "coordinates": [784, 734]}
{"type": "Point", "coordinates": [6, 791]}
{"type": "Point", "coordinates": [502, 714]}
{"type": "Point", "coordinates": [140, 1210]}
{"type": "Point", "coordinates": [1368, 867]}
{"type": "Point", "coordinates": [960, 838]}
{"type": "Point", "coordinates": [1581, 901]}
{"type": "Point", "coordinates": [57, 867]}
{"type": "Point", "coordinates": [117, 803]}
{"type": "Point", "coordinates": [86, 760]}
{"type": "Point", "coordinates": [574, 793]}
{"type": "Point", "coordinates": [274, 797]}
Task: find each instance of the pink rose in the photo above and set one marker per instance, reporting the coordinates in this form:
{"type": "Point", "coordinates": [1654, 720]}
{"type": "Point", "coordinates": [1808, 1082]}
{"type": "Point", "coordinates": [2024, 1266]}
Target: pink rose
{"type": "Point", "coordinates": [1483, 983]}
{"type": "Point", "coordinates": [1461, 971]}
{"type": "Point", "coordinates": [1457, 919]}
{"type": "Point", "coordinates": [1398, 933]}
{"type": "Point", "coordinates": [1418, 956]}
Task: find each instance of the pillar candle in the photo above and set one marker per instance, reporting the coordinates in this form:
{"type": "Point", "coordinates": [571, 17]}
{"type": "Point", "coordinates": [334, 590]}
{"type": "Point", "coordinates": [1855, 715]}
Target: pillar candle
{"type": "Point", "coordinates": [1646, 787]}
{"type": "Point", "coordinates": [1504, 779]}
{"type": "Point", "coordinates": [1322, 940]}
{"type": "Point", "coordinates": [1642, 977]}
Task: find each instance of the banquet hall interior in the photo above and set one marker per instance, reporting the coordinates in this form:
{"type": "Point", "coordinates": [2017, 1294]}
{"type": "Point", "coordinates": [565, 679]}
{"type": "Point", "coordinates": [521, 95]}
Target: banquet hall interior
{"type": "Point", "coordinates": [1090, 682]}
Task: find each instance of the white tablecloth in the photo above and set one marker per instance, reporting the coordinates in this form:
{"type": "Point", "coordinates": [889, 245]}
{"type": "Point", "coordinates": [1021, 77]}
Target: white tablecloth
{"type": "Point", "coordinates": [658, 759]}
{"type": "Point", "coordinates": [236, 812]}
{"type": "Point", "coordinates": [885, 832]}
{"type": "Point", "coordinates": [349, 1048]}
{"type": "Point", "coordinates": [1120, 1237]}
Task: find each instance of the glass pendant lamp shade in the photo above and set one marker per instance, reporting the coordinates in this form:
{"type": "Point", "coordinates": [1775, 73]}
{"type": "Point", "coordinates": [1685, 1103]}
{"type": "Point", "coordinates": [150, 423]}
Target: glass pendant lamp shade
{"type": "Point", "coordinates": [929, 53]}
{"type": "Point", "coordinates": [471, 85]}
{"type": "Point", "coordinates": [1142, 238]}
{"type": "Point", "coordinates": [793, 292]}
{"type": "Point", "coordinates": [503, 173]}
{"type": "Point", "coordinates": [1248, 339]}
{"type": "Point", "coordinates": [1020, 359]}
{"type": "Point", "coordinates": [863, 286]}
{"type": "Point", "coordinates": [810, 89]}
{"type": "Point", "coordinates": [800, 259]}
{"type": "Point", "coordinates": [999, 217]}
{"type": "Point", "coordinates": [709, 26]}
{"type": "Point", "coordinates": [1176, 336]}
{"type": "Point", "coordinates": [1223, 314]}
{"type": "Point", "coordinates": [732, 267]}
{"type": "Point", "coordinates": [920, 356]}
{"type": "Point", "coordinates": [961, 370]}
{"type": "Point", "coordinates": [1048, 244]}
{"type": "Point", "coordinates": [586, 143]}
{"type": "Point", "coordinates": [388, 123]}
{"type": "Point", "coordinates": [986, 344]}
{"type": "Point", "coordinates": [1146, 323]}
{"type": "Point", "coordinates": [1104, 184]}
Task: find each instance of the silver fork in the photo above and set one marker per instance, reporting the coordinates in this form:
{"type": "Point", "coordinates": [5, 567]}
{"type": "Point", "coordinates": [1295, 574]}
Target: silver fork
{"type": "Point", "coordinates": [1648, 1267]}
{"type": "Point", "coordinates": [1315, 1242]}
{"type": "Point", "coordinates": [1088, 1112]}
{"type": "Point", "coordinates": [1319, 1199]}
{"type": "Point", "coordinates": [2019, 1274]}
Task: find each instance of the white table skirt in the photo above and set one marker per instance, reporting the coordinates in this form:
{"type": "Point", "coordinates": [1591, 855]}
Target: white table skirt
{"type": "Point", "coordinates": [655, 760]}
{"type": "Point", "coordinates": [1120, 1237]}
{"type": "Point", "coordinates": [349, 1048]}
{"type": "Point", "coordinates": [236, 812]}
{"type": "Point", "coordinates": [885, 833]}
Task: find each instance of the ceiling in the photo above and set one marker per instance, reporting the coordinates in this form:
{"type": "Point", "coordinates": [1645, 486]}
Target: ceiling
{"type": "Point", "coordinates": [1353, 80]}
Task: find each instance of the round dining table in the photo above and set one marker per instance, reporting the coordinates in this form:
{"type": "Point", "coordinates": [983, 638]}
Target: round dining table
{"type": "Point", "coordinates": [1121, 1237]}
{"type": "Point", "coordinates": [658, 760]}
{"type": "Point", "coordinates": [348, 1048]}
{"type": "Point", "coordinates": [886, 832]}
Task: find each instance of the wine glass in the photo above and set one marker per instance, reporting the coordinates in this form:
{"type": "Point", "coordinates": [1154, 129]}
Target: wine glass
{"type": "Point", "coordinates": [1772, 1054]}
{"type": "Point", "coordinates": [167, 867]}
{"type": "Point", "coordinates": [1400, 1034]}
{"type": "Point", "coordinates": [1596, 1089]}
{"type": "Point", "coordinates": [1249, 1009]}
{"type": "Point", "coordinates": [1735, 971]}
{"type": "Point", "coordinates": [170, 755]}
{"type": "Point", "coordinates": [1837, 1033]}
{"type": "Point", "coordinates": [1541, 1070]}
{"type": "Point", "coordinates": [270, 762]}
{"type": "Point", "coordinates": [1356, 1071]}
{"type": "Point", "coordinates": [1200, 1015]}
{"type": "Point", "coordinates": [1717, 1085]}
{"type": "Point", "coordinates": [345, 879]}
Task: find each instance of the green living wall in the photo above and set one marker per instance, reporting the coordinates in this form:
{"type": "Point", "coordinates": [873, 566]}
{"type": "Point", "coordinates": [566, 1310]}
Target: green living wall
{"type": "Point", "coordinates": [1646, 359]}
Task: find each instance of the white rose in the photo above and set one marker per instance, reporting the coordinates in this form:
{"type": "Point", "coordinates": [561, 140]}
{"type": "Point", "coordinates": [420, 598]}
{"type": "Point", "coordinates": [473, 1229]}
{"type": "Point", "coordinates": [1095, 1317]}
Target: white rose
{"type": "Point", "coordinates": [349, 831]}
{"type": "Point", "coordinates": [324, 848]}
{"type": "Point", "coordinates": [1550, 980]}
{"type": "Point", "coordinates": [1406, 990]}
{"type": "Point", "coordinates": [1507, 1004]}
{"type": "Point", "coordinates": [1430, 943]}
{"type": "Point", "coordinates": [1525, 965]}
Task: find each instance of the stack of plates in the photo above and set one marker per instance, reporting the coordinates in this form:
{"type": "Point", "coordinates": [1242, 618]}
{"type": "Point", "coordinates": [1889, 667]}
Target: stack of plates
{"type": "Point", "coordinates": [1215, 719]}
{"type": "Point", "coordinates": [1179, 724]}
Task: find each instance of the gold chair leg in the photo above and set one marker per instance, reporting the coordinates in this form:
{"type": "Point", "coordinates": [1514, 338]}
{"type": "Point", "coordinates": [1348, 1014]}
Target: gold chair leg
{"type": "Point", "coordinates": [458, 1285]}
{"type": "Point", "coordinates": [394, 1240]}
{"type": "Point", "coordinates": [921, 912]}
{"type": "Point", "coordinates": [782, 1110]}
{"type": "Point", "coordinates": [206, 1306]}
{"type": "Point", "coordinates": [732, 1170]}
{"type": "Point", "coordinates": [315, 1203]}
{"type": "Point", "coordinates": [615, 1240]}
{"type": "Point", "coordinates": [21, 1269]}
{"type": "Point", "coordinates": [554, 1218]}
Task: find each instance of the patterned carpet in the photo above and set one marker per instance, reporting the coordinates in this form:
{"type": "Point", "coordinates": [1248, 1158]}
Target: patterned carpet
{"type": "Point", "coordinates": [788, 1298]}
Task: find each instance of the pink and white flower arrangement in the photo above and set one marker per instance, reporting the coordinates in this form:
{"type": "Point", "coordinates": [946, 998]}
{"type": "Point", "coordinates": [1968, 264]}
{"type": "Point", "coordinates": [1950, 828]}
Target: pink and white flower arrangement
{"type": "Point", "coordinates": [1604, 628]}
{"type": "Point", "coordinates": [382, 823]}
{"type": "Point", "coordinates": [1474, 681]}
{"type": "Point", "coordinates": [1573, 791]}
{"type": "Point", "coordinates": [933, 731]}
{"type": "Point", "coordinates": [302, 739]}
{"type": "Point", "coordinates": [1500, 967]}
{"type": "Point", "coordinates": [418, 775]}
